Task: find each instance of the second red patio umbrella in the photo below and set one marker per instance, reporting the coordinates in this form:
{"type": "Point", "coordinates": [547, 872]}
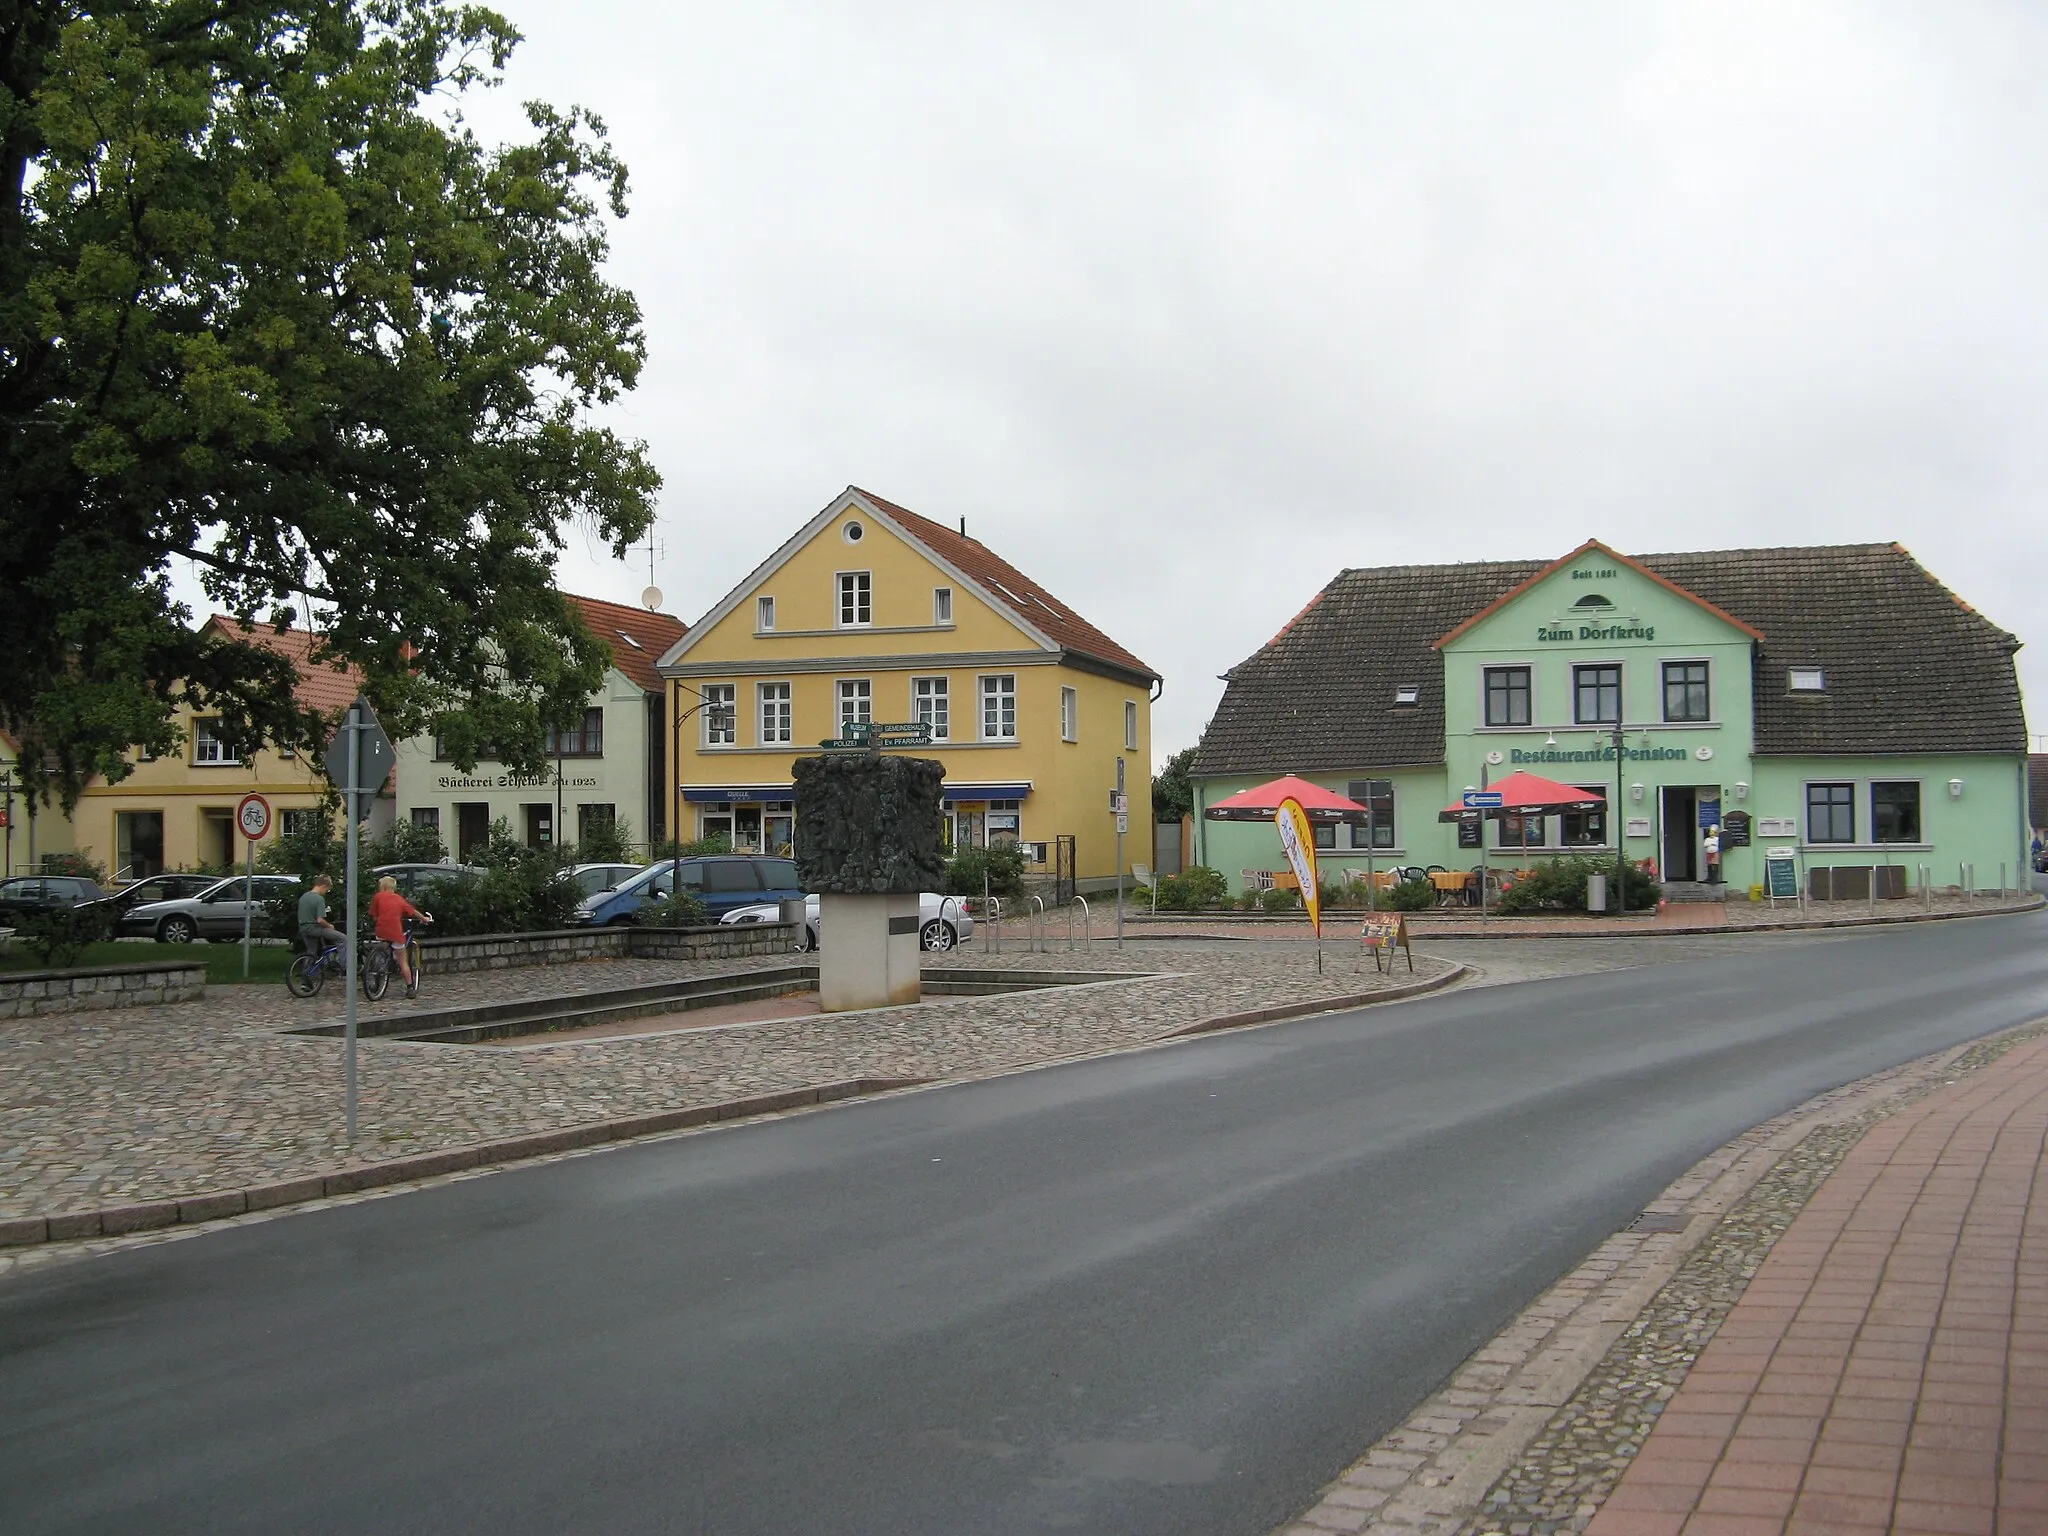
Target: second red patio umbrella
{"type": "Point", "coordinates": [1322, 806]}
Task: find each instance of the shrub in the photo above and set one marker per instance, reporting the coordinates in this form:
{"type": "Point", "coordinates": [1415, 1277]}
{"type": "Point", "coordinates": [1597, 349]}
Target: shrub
{"type": "Point", "coordinates": [696, 848]}
{"type": "Point", "coordinates": [1001, 866]}
{"type": "Point", "coordinates": [81, 864]}
{"type": "Point", "coordinates": [681, 910]}
{"type": "Point", "coordinates": [1247, 899]}
{"type": "Point", "coordinates": [1560, 886]}
{"type": "Point", "coordinates": [59, 937]}
{"type": "Point", "coordinates": [1193, 889]}
{"type": "Point", "coordinates": [1279, 899]}
{"type": "Point", "coordinates": [607, 842]}
{"type": "Point", "coordinates": [1410, 896]}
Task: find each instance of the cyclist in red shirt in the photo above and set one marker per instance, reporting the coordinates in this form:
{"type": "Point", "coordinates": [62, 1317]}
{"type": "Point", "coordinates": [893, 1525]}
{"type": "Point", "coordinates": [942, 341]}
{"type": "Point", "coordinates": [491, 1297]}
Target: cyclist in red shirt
{"type": "Point", "coordinates": [388, 911]}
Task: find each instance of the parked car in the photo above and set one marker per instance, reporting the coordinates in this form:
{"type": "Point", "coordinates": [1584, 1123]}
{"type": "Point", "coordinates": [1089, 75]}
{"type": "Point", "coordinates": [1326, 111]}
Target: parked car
{"type": "Point", "coordinates": [721, 882]}
{"type": "Point", "coordinates": [216, 913]}
{"type": "Point", "coordinates": [592, 878]}
{"type": "Point", "coordinates": [942, 920]}
{"type": "Point", "coordinates": [26, 895]}
{"type": "Point", "coordinates": [413, 879]}
{"type": "Point", "coordinates": [169, 887]}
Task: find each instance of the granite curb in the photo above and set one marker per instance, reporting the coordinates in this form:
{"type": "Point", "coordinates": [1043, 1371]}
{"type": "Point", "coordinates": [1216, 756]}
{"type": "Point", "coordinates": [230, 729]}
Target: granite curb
{"type": "Point", "coordinates": [1281, 1011]}
{"type": "Point", "coordinates": [149, 1215]}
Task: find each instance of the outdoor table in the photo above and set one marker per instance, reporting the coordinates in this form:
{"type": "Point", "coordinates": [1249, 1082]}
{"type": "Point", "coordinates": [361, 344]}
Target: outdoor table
{"type": "Point", "coordinates": [1452, 886]}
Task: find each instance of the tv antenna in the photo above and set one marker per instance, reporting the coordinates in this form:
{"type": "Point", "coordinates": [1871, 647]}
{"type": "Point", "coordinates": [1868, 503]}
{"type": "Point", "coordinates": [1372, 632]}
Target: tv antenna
{"type": "Point", "coordinates": [651, 598]}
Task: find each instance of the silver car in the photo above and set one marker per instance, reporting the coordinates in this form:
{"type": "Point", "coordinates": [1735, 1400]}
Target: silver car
{"type": "Point", "coordinates": [215, 913]}
{"type": "Point", "coordinates": [942, 920]}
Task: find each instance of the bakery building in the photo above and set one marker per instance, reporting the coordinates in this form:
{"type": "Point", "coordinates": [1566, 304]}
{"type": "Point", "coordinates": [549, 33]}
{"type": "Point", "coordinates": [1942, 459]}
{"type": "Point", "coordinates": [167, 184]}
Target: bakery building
{"type": "Point", "coordinates": [1836, 702]}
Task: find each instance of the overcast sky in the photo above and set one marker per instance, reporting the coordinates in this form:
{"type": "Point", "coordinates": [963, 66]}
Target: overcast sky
{"type": "Point", "coordinates": [1186, 307]}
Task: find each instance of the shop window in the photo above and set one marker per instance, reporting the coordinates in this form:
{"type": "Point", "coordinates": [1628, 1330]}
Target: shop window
{"type": "Point", "coordinates": [1519, 832]}
{"type": "Point", "coordinates": [1596, 695]}
{"type": "Point", "coordinates": [999, 707]}
{"type": "Point", "coordinates": [1831, 813]}
{"type": "Point", "coordinates": [764, 614]}
{"type": "Point", "coordinates": [1685, 691]}
{"type": "Point", "coordinates": [1324, 836]}
{"type": "Point", "coordinates": [1070, 715]}
{"type": "Point", "coordinates": [207, 750]}
{"type": "Point", "coordinates": [856, 702]}
{"type": "Point", "coordinates": [721, 725]}
{"type": "Point", "coordinates": [426, 817]}
{"type": "Point", "coordinates": [778, 717]}
{"type": "Point", "coordinates": [1130, 725]}
{"type": "Point", "coordinates": [1507, 695]}
{"type": "Point", "coordinates": [856, 594]}
{"type": "Point", "coordinates": [931, 705]}
{"type": "Point", "coordinates": [1005, 821]}
{"type": "Point", "coordinates": [1585, 829]}
{"type": "Point", "coordinates": [1895, 812]}
{"type": "Point", "coordinates": [1377, 796]}
{"type": "Point", "coordinates": [584, 739]}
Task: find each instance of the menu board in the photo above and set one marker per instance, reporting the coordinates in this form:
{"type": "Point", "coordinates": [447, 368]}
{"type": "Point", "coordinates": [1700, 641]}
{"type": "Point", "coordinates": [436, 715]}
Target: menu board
{"type": "Point", "coordinates": [1781, 875]}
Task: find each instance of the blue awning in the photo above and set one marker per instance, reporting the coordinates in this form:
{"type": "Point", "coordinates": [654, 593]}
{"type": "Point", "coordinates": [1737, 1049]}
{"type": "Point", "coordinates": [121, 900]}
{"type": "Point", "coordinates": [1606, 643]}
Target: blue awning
{"type": "Point", "coordinates": [958, 792]}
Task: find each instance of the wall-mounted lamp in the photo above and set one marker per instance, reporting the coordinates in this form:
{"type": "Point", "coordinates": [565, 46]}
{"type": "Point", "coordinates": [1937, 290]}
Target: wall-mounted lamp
{"type": "Point", "coordinates": [1550, 740]}
{"type": "Point", "coordinates": [1741, 790]}
{"type": "Point", "coordinates": [1635, 791]}
{"type": "Point", "coordinates": [1955, 789]}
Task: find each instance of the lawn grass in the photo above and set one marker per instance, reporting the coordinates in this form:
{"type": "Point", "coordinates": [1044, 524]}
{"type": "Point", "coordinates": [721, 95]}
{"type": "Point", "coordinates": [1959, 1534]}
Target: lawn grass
{"type": "Point", "coordinates": [223, 962]}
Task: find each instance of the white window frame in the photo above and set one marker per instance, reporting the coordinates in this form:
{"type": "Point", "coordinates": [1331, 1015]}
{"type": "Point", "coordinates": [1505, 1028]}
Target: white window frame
{"type": "Point", "coordinates": [1070, 713]}
{"type": "Point", "coordinates": [942, 605]}
{"type": "Point", "coordinates": [1806, 680]}
{"type": "Point", "coordinates": [766, 721]}
{"type": "Point", "coordinates": [855, 594]}
{"type": "Point", "coordinates": [1130, 725]}
{"type": "Point", "coordinates": [764, 615]}
{"type": "Point", "coordinates": [202, 735]}
{"type": "Point", "coordinates": [715, 695]}
{"type": "Point", "coordinates": [941, 695]}
{"type": "Point", "coordinates": [853, 690]}
{"type": "Point", "coordinates": [984, 695]}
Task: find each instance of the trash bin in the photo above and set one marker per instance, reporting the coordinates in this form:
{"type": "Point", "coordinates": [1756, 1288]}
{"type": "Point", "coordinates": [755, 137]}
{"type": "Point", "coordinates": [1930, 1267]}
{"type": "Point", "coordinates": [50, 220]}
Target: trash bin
{"type": "Point", "coordinates": [791, 909]}
{"type": "Point", "coordinates": [1596, 893]}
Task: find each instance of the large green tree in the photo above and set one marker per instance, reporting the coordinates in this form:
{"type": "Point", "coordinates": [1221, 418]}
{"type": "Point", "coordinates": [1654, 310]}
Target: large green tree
{"type": "Point", "coordinates": [267, 302]}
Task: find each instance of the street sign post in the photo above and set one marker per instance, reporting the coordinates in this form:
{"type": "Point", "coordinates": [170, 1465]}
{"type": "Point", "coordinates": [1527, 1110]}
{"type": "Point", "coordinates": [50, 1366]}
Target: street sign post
{"type": "Point", "coordinates": [1119, 807]}
{"type": "Point", "coordinates": [359, 760]}
{"type": "Point", "coordinates": [252, 815]}
{"type": "Point", "coordinates": [867, 736]}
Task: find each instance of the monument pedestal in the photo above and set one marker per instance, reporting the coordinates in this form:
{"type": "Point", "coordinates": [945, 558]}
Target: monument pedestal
{"type": "Point", "coordinates": [868, 953]}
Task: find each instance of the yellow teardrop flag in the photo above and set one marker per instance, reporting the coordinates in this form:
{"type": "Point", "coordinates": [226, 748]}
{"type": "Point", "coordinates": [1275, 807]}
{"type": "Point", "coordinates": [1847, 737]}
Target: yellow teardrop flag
{"type": "Point", "coordinates": [1300, 845]}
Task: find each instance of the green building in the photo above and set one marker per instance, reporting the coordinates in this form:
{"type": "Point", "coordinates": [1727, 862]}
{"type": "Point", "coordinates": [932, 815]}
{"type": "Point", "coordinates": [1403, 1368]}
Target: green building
{"type": "Point", "coordinates": [1837, 702]}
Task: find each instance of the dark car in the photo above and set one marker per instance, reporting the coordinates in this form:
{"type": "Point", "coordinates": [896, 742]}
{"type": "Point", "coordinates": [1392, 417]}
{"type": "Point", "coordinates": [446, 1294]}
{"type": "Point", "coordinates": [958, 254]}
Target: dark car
{"type": "Point", "coordinates": [158, 888]}
{"type": "Point", "coordinates": [720, 881]}
{"type": "Point", "coordinates": [413, 879]}
{"type": "Point", "coordinates": [26, 895]}
{"type": "Point", "coordinates": [216, 913]}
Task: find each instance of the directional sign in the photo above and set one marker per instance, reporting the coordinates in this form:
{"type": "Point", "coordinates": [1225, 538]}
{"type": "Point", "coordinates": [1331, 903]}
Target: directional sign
{"type": "Point", "coordinates": [374, 758]}
{"type": "Point", "coordinates": [869, 736]}
{"type": "Point", "coordinates": [253, 817]}
{"type": "Point", "coordinates": [1483, 800]}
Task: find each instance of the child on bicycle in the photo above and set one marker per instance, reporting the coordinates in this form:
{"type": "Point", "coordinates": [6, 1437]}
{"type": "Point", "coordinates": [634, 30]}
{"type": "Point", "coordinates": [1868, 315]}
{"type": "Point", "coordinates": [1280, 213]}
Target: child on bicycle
{"type": "Point", "coordinates": [315, 932]}
{"type": "Point", "coordinates": [388, 911]}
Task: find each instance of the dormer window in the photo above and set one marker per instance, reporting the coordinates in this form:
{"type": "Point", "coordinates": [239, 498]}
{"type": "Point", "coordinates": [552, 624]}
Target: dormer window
{"type": "Point", "coordinates": [1407, 696]}
{"type": "Point", "coordinates": [1807, 679]}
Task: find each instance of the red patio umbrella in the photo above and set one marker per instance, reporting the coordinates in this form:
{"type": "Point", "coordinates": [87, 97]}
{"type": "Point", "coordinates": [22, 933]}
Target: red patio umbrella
{"type": "Point", "coordinates": [1325, 807]}
{"type": "Point", "coordinates": [1521, 793]}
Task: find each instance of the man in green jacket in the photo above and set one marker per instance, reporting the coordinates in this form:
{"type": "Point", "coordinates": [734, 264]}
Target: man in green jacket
{"type": "Point", "coordinates": [315, 932]}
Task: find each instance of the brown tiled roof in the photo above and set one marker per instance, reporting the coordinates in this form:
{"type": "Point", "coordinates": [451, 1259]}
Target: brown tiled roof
{"type": "Point", "coordinates": [1910, 667]}
{"type": "Point", "coordinates": [1003, 581]}
{"type": "Point", "coordinates": [637, 638]}
{"type": "Point", "coordinates": [327, 686]}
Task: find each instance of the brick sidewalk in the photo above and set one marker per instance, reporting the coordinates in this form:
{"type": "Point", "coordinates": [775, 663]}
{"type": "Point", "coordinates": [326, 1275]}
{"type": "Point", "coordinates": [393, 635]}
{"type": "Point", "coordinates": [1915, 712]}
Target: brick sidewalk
{"type": "Point", "coordinates": [1887, 1370]}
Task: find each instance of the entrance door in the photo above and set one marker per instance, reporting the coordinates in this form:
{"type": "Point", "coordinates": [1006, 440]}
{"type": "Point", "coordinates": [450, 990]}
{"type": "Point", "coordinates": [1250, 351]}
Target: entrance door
{"type": "Point", "coordinates": [217, 838]}
{"type": "Point", "coordinates": [746, 829]}
{"type": "Point", "coordinates": [540, 825]}
{"type": "Point", "coordinates": [472, 828]}
{"type": "Point", "coordinates": [1681, 833]}
{"type": "Point", "coordinates": [969, 827]}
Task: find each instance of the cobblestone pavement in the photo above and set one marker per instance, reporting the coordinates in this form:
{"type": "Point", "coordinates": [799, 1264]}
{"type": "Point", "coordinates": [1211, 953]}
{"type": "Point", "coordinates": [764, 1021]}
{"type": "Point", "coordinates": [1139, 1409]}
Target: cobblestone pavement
{"type": "Point", "coordinates": [1535, 1432]}
{"type": "Point", "coordinates": [185, 1099]}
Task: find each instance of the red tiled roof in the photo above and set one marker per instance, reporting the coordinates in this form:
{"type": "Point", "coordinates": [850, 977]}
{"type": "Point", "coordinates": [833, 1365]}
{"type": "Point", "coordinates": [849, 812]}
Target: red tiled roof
{"type": "Point", "coordinates": [327, 686]}
{"type": "Point", "coordinates": [1026, 598]}
{"type": "Point", "coordinates": [638, 638]}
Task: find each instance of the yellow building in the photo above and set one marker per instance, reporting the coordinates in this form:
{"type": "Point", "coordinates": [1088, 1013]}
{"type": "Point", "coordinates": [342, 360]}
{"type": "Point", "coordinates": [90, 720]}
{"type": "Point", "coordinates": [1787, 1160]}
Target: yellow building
{"type": "Point", "coordinates": [873, 613]}
{"type": "Point", "coordinates": [178, 812]}
{"type": "Point", "coordinates": [29, 831]}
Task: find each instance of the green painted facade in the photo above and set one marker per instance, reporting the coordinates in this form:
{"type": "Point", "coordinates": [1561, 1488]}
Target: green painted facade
{"type": "Point", "coordinates": [1684, 672]}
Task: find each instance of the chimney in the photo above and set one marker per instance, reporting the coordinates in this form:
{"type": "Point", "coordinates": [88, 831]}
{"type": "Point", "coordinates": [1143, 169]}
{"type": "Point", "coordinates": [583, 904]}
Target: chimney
{"type": "Point", "coordinates": [963, 527]}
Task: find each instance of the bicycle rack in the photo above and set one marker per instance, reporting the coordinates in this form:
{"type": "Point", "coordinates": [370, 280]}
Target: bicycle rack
{"type": "Point", "coordinates": [1087, 920]}
{"type": "Point", "coordinates": [991, 933]}
{"type": "Point", "coordinates": [954, 903]}
{"type": "Point", "coordinates": [1038, 925]}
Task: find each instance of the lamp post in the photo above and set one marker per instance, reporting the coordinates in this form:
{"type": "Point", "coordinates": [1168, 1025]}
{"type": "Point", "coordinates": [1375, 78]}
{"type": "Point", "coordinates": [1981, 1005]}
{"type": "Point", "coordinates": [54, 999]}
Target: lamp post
{"type": "Point", "coordinates": [675, 786]}
{"type": "Point", "coordinates": [1615, 818]}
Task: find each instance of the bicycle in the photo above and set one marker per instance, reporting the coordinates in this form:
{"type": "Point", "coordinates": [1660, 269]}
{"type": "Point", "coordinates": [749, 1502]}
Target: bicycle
{"type": "Point", "coordinates": [307, 974]}
{"type": "Point", "coordinates": [381, 962]}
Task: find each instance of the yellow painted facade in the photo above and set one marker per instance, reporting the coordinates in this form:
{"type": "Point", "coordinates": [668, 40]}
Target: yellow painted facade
{"type": "Point", "coordinates": [177, 812]}
{"type": "Point", "coordinates": [858, 616]}
{"type": "Point", "coordinates": [28, 832]}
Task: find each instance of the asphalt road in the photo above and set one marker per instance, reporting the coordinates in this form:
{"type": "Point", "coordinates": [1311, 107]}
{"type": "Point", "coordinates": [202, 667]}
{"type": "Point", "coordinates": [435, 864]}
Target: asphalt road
{"type": "Point", "coordinates": [1166, 1292]}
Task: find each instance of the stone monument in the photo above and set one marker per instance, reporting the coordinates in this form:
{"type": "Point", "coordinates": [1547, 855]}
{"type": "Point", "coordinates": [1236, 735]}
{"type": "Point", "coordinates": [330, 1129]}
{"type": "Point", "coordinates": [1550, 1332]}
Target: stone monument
{"type": "Point", "coordinates": [867, 843]}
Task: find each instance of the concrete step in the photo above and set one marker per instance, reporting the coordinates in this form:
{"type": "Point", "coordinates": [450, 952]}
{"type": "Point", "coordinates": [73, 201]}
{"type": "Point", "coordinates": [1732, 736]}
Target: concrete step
{"type": "Point", "coordinates": [1693, 890]}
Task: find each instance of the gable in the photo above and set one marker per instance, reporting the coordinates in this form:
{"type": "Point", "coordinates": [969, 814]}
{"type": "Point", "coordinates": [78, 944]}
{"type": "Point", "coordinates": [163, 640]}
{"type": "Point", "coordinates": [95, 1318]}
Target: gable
{"type": "Point", "coordinates": [1595, 596]}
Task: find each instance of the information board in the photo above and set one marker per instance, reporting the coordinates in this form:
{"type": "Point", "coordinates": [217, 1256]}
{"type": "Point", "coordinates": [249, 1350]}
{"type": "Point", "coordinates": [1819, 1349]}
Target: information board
{"type": "Point", "coordinates": [1781, 875]}
{"type": "Point", "coordinates": [1382, 935]}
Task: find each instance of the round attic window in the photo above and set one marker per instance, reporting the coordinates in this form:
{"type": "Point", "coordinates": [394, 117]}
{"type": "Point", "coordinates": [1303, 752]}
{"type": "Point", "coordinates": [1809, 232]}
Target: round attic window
{"type": "Point", "coordinates": [853, 532]}
{"type": "Point", "coordinates": [1593, 600]}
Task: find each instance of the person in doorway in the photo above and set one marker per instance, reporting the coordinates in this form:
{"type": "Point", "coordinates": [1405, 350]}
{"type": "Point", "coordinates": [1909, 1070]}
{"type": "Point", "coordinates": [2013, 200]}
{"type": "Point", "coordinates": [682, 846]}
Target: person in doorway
{"type": "Point", "coordinates": [388, 911]}
{"type": "Point", "coordinates": [315, 932]}
{"type": "Point", "coordinates": [1713, 843]}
